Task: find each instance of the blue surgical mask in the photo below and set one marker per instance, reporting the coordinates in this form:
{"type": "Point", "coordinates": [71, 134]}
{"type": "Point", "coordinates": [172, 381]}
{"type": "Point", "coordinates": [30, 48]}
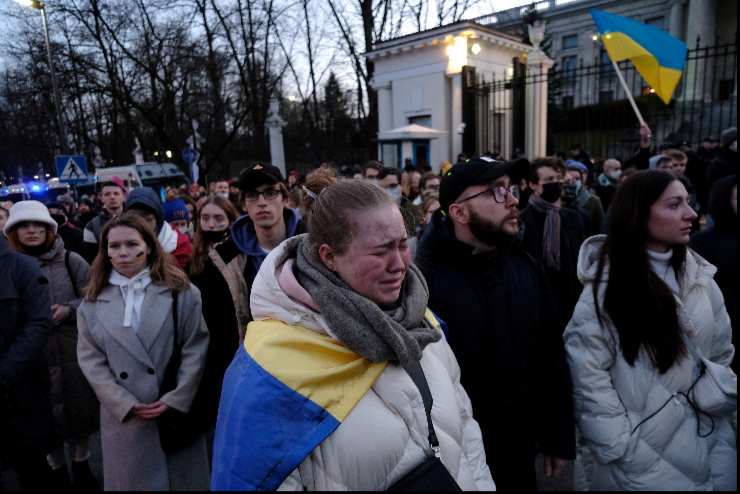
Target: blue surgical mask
{"type": "Point", "coordinates": [374, 181]}
{"type": "Point", "coordinates": [184, 229]}
{"type": "Point", "coordinates": [579, 185]}
{"type": "Point", "coordinates": [393, 193]}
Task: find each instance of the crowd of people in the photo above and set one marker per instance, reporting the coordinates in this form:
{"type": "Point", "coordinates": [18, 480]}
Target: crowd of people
{"type": "Point", "coordinates": [380, 328]}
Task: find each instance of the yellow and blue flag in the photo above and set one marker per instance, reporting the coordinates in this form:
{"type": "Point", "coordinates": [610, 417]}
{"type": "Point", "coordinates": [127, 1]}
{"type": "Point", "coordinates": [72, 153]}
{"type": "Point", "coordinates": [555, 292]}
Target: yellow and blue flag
{"type": "Point", "coordinates": [287, 389]}
{"type": "Point", "coordinates": [658, 56]}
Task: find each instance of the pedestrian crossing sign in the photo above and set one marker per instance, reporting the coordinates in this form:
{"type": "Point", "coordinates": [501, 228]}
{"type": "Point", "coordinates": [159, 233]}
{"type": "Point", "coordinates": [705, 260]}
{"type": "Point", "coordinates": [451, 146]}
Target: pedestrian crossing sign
{"type": "Point", "coordinates": [71, 169]}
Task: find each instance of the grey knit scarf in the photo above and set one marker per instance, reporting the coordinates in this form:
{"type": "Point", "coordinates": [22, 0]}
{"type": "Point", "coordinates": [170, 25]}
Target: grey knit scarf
{"type": "Point", "coordinates": [399, 334]}
{"type": "Point", "coordinates": [551, 232]}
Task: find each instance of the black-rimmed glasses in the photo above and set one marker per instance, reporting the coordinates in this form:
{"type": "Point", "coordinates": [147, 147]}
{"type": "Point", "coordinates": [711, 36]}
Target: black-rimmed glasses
{"type": "Point", "coordinates": [500, 194]}
{"type": "Point", "coordinates": [268, 194]}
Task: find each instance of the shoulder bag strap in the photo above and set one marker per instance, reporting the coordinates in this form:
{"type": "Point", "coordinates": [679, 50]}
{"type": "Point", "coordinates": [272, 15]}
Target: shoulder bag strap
{"type": "Point", "coordinates": [416, 373]}
{"type": "Point", "coordinates": [69, 272]}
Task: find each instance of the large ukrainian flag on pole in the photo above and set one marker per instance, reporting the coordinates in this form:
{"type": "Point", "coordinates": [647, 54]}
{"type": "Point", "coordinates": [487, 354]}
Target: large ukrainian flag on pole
{"type": "Point", "coordinates": [658, 56]}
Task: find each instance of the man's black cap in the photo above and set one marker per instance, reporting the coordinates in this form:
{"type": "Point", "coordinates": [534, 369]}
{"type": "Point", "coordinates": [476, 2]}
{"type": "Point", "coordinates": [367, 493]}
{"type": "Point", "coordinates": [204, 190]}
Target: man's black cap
{"type": "Point", "coordinates": [667, 145]}
{"type": "Point", "coordinates": [710, 140]}
{"type": "Point", "coordinates": [257, 173]}
{"type": "Point", "coordinates": [476, 171]}
{"type": "Point", "coordinates": [684, 143]}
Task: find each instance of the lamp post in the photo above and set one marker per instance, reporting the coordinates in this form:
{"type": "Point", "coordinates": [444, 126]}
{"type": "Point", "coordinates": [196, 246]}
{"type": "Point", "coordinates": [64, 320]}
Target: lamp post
{"type": "Point", "coordinates": [57, 99]}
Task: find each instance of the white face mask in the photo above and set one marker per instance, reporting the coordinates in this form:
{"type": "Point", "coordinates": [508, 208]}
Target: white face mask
{"type": "Point", "coordinates": [616, 174]}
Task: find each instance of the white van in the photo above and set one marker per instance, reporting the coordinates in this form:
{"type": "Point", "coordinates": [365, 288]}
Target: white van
{"type": "Point", "coordinates": [153, 175]}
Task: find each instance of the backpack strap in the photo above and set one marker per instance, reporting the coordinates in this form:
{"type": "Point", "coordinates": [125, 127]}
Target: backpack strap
{"type": "Point", "coordinates": [69, 272]}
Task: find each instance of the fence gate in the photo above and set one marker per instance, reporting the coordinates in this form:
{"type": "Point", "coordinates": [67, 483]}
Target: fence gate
{"type": "Point", "coordinates": [588, 106]}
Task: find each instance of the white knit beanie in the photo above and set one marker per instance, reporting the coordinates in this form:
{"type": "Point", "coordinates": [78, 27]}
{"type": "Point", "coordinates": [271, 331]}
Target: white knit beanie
{"type": "Point", "coordinates": [29, 211]}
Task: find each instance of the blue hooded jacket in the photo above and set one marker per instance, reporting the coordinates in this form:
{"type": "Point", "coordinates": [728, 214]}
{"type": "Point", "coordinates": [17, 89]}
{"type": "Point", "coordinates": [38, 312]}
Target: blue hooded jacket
{"type": "Point", "coordinates": [149, 198]}
{"type": "Point", "coordinates": [245, 237]}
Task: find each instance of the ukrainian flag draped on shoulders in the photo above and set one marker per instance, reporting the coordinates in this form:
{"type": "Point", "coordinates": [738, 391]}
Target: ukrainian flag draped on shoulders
{"type": "Point", "coordinates": [287, 389]}
{"type": "Point", "coordinates": [658, 56]}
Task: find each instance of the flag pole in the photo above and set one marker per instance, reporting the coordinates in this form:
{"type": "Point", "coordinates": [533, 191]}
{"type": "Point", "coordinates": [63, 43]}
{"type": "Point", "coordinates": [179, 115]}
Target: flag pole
{"type": "Point", "coordinates": [629, 93]}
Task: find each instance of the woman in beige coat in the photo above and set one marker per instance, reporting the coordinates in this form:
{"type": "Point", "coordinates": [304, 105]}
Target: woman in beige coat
{"type": "Point", "coordinates": [126, 339]}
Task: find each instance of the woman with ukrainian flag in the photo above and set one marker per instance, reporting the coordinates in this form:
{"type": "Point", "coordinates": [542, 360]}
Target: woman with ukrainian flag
{"type": "Point", "coordinates": [320, 396]}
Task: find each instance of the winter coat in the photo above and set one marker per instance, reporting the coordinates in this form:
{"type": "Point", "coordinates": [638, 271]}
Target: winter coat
{"type": "Point", "coordinates": [504, 330]}
{"type": "Point", "coordinates": [385, 434]}
{"type": "Point", "coordinates": [221, 297]}
{"type": "Point", "coordinates": [73, 238]}
{"type": "Point", "coordinates": [611, 397]}
{"type": "Point", "coordinates": [564, 283]}
{"type": "Point", "coordinates": [92, 232]}
{"type": "Point", "coordinates": [718, 245]}
{"type": "Point", "coordinates": [592, 205]}
{"type": "Point", "coordinates": [126, 367]}
{"type": "Point", "coordinates": [724, 165]}
{"type": "Point", "coordinates": [26, 422]}
{"type": "Point", "coordinates": [74, 402]}
{"type": "Point", "coordinates": [605, 188]}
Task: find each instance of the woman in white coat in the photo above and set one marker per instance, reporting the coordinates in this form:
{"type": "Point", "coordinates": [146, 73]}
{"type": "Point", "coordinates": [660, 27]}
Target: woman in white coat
{"type": "Point", "coordinates": [647, 301]}
{"type": "Point", "coordinates": [126, 337]}
{"type": "Point", "coordinates": [317, 397]}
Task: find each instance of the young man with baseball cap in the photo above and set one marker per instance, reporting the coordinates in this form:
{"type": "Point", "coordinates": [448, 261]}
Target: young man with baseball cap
{"type": "Point", "coordinates": [502, 320]}
{"type": "Point", "coordinates": [268, 220]}
{"type": "Point", "coordinates": [113, 195]}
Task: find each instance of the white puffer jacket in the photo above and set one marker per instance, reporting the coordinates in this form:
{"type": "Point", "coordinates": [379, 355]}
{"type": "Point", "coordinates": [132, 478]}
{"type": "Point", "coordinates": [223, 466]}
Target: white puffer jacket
{"type": "Point", "coordinates": [385, 435]}
{"type": "Point", "coordinates": [611, 397]}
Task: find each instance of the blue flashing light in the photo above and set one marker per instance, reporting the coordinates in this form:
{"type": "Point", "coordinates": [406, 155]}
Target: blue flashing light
{"type": "Point", "coordinates": [22, 189]}
{"type": "Point", "coordinates": [5, 192]}
{"type": "Point", "coordinates": [95, 177]}
{"type": "Point", "coordinates": [47, 188]}
{"type": "Point", "coordinates": [35, 187]}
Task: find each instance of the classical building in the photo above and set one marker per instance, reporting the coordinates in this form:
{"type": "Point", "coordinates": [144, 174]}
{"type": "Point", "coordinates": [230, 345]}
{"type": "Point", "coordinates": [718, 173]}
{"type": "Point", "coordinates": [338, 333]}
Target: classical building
{"type": "Point", "coordinates": [422, 81]}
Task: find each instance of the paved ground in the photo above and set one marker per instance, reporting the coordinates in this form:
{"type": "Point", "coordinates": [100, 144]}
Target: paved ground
{"type": "Point", "coordinates": [10, 481]}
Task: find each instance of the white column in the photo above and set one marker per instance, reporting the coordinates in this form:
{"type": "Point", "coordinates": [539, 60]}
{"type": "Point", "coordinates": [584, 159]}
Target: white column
{"type": "Point", "coordinates": [385, 107]}
{"type": "Point", "coordinates": [701, 24]}
{"type": "Point", "coordinates": [676, 20]}
{"type": "Point", "coordinates": [457, 119]}
{"type": "Point", "coordinates": [536, 106]}
{"type": "Point", "coordinates": [275, 125]}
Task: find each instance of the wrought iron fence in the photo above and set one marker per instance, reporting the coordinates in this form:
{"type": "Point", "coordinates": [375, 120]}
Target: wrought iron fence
{"type": "Point", "coordinates": [587, 105]}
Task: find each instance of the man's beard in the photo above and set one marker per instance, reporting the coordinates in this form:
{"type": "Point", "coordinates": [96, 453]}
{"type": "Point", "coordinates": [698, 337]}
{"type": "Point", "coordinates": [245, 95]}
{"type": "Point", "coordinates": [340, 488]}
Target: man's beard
{"type": "Point", "coordinates": [489, 232]}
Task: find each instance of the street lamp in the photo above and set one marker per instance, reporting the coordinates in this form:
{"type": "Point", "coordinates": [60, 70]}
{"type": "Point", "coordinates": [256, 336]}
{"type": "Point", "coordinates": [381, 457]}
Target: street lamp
{"type": "Point", "coordinates": [57, 99]}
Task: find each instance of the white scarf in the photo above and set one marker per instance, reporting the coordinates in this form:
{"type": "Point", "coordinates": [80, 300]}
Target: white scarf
{"type": "Point", "coordinates": [132, 290]}
{"type": "Point", "coordinates": [167, 238]}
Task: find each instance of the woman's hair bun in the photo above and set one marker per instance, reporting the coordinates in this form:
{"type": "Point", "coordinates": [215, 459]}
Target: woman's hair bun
{"type": "Point", "coordinates": [317, 181]}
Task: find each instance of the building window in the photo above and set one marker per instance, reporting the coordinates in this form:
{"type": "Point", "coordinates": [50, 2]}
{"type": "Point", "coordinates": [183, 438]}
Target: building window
{"type": "Point", "coordinates": [423, 120]}
{"type": "Point", "coordinates": [606, 97]}
{"type": "Point", "coordinates": [658, 22]}
{"type": "Point", "coordinates": [607, 69]}
{"type": "Point", "coordinates": [726, 88]}
{"type": "Point", "coordinates": [570, 41]}
{"type": "Point", "coordinates": [570, 64]}
{"type": "Point", "coordinates": [567, 102]}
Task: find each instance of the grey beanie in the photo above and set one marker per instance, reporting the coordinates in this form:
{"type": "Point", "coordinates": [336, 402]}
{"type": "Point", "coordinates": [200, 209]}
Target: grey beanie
{"type": "Point", "coordinates": [728, 137]}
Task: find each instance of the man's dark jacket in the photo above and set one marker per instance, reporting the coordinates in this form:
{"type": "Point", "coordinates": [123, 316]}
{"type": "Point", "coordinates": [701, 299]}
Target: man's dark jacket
{"type": "Point", "coordinates": [73, 239]}
{"type": "Point", "coordinates": [26, 423]}
{"type": "Point", "coordinates": [718, 245]}
{"type": "Point", "coordinates": [504, 331]}
{"type": "Point", "coordinates": [724, 165]}
{"type": "Point", "coordinates": [566, 287]}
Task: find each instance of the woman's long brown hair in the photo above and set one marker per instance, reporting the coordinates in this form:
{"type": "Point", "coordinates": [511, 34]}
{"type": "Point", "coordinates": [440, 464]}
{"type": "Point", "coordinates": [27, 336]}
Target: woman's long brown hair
{"type": "Point", "coordinates": [162, 267]}
{"type": "Point", "coordinates": [200, 244]}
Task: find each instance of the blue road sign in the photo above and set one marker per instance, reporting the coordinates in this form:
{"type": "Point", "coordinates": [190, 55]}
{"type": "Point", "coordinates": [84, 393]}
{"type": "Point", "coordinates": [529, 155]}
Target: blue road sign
{"type": "Point", "coordinates": [190, 155]}
{"type": "Point", "coordinates": [71, 169]}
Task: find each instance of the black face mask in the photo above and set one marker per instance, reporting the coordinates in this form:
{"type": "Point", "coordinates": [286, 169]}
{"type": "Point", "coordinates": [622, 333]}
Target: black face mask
{"type": "Point", "coordinates": [214, 236]}
{"type": "Point", "coordinates": [35, 250]}
{"type": "Point", "coordinates": [570, 193]}
{"type": "Point", "coordinates": [551, 192]}
{"type": "Point", "coordinates": [59, 218]}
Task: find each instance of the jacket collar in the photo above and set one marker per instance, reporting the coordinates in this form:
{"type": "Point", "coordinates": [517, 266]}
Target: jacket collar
{"type": "Point", "coordinates": [156, 308]}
